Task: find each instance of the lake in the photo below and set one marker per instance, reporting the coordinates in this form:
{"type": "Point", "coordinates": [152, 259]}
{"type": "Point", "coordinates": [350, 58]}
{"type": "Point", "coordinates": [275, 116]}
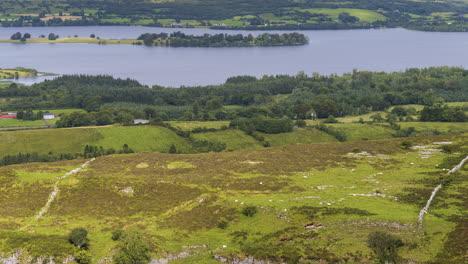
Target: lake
{"type": "Point", "coordinates": [329, 51]}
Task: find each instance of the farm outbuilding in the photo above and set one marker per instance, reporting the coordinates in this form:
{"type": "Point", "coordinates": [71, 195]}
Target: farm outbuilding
{"type": "Point", "coordinates": [140, 121]}
{"type": "Point", "coordinates": [48, 116]}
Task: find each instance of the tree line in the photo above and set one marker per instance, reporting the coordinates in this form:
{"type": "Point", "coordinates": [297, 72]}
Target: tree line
{"type": "Point", "coordinates": [108, 100]}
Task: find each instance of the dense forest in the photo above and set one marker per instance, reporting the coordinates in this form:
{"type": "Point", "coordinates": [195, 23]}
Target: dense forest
{"type": "Point", "coordinates": [179, 39]}
{"type": "Point", "coordinates": [295, 97]}
{"type": "Point", "coordinates": [250, 14]}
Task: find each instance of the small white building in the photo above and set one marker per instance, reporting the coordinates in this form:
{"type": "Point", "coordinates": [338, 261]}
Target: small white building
{"type": "Point", "coordinates": [140, 121]}
{"type": "Point", "coordinates": [48, 116]}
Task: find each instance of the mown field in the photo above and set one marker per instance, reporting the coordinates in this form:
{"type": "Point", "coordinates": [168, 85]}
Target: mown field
{"type": "Point", "coordinates": [316, 201]}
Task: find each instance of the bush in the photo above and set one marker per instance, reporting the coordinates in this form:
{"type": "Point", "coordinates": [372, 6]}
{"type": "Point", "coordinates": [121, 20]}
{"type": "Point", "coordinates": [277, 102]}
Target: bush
{"type": "Point", "coordinates": [116, 235]}
{"type": "Point", "coordinates": [385, 246]}
{"type": "Point", "coordinates": [330, 119]}
{"type": "Point", "coordinates": [449, 149]}
{"type": "Point", "coordinates": [82, 257]}
{"type": "Point", "coordinates": [79, 237]}
{"type": "Point", "coordinates": [356, 150]}
{"type": "Point", "coordinates": [249, 211]}
{"type": "Point", "coordinates": [301, 123]}
{"type": "Point", "coordinates": [406, 144]}
{"type": "Point", "coordinates": [223, 224]}
{"type": "Point", "coordinates": [132, 249]}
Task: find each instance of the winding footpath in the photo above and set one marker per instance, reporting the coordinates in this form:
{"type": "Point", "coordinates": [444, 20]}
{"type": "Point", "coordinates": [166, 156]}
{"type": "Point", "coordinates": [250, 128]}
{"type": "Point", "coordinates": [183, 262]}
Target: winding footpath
{"type": "Point", "coordinates": [56, 190]}
{"type": "Point", "coordinates": [434, 192]}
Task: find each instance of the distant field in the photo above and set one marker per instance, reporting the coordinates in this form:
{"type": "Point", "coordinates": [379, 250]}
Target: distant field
{"type": "Point", "coordinates": [444, 127]}
{"type": "Point", "coordinates": [19, 123]}
{"type": "Point", "coordinates": [355, 119]}
{"type": "Point", "coordinates": [190, 125]}
{"type": "Point", "coordinates": [363, 131]}
{"type": "Point", "coordinates": [362, 14]}
{"type": "Point", "coordinates": [299, 136]}
{"type": "Point", "coordinates": [141, 139]}
{"type": "Point", "coordinates": [73, 140]}
{"type": "Point", "coordinates": [233, 138]}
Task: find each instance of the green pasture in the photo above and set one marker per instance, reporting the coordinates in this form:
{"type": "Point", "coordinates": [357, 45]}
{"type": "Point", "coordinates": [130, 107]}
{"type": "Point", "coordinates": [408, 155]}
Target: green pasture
{"type": "Point", "coordinates": [362, 14]}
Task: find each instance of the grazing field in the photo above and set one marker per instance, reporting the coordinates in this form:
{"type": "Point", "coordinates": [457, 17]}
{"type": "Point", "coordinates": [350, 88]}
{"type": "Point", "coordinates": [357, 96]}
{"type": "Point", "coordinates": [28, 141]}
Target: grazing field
{"type": "Point", "coordinates": [423, 128]}
{"type": "Point", "coordinates": [190, 125]}
{"type": "Point", "coordinates": [19, 123]}
{"type": "Point", "coordinates": [73, 140]}
{"type": "Point", "coordinates": [355, 119]}
{"type": "Point", "coordinates": [322, 200]}
{"type": "Point", "coordinates": [298, 136]}
{"type": "Point", "coordinates": [363, 131]}
{"type": "Point", "coordinates": [363, 15]}
{"type": "Point", "coordinates": [233, 138]}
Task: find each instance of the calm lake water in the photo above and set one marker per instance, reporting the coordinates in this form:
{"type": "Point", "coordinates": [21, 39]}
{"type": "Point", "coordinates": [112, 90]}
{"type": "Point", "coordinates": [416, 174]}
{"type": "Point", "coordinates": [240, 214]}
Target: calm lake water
{"type": "Point", "coordinates": [328, 52]}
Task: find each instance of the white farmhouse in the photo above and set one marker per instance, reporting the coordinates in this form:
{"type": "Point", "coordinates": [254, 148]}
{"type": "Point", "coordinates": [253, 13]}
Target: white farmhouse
{"type": "Point", "coordinates": [48, 116]}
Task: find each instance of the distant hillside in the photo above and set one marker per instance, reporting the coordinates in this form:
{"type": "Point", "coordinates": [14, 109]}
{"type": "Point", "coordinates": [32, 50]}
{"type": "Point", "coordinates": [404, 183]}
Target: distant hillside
{"type": "Point", "coordinates": [256, 14]}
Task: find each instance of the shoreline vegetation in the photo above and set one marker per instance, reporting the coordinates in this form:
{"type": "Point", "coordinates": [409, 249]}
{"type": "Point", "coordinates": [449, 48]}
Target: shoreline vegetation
{"type": "Point", "coordinates": [176, 39]}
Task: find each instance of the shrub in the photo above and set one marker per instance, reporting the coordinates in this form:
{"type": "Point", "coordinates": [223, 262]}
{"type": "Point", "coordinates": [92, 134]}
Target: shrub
{"type": "Point", "coordinates": [132, 249]}
{"type": "Point", "coordinates": [406, 144]}
{"type": "Point", "coordinates": [385, 246]}
{"type": "Point", "coordinates": [449, 149]}
{"type": "Point", "coordinates": [330, 119]}
{"type": "Point", "coordinates": [301, 123]}
{"type": "Point", "coordinates": [82, 257]}
{"type": "Point", "coordinates": [249, 211]}
{"type": "Point", "coordinates": [223, 224]}
{"type": "Point", "coordinates": [79, 237]}
{"type": "Point", "coordinates": [116, 235]}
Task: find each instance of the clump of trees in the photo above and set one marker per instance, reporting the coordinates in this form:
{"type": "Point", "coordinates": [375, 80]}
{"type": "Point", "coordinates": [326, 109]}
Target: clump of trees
{"type": "Point", "coordinates": [20, 37]}
{"type": "Point", "coordinates": [52, 36]}
{"type": "Point", "coordinates": [443, 113]}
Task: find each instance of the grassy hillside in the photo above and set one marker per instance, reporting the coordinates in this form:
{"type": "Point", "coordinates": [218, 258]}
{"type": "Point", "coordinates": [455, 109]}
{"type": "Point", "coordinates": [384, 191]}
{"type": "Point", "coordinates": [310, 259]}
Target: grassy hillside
{"type": "Point", "coordinates": [154, 139]}
{"type": "Point", "coordinates": [310, 198]}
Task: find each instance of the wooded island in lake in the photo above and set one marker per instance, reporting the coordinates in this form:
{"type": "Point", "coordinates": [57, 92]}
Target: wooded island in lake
{"type": "Point", "coordinates": [176, 39]}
